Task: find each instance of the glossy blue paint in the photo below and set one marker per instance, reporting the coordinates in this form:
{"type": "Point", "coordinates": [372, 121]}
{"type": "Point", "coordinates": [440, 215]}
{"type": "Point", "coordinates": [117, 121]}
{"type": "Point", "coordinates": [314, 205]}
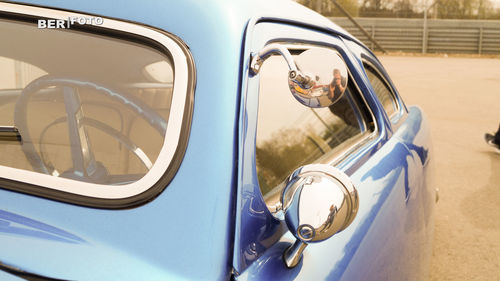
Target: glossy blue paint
{"type": "Point", "coordinates": [388, 229]}
{"type": "Point", "coordinates": [212, 217]}
{"type": "Point", "coordinates": [265, 229]}
{"type": "Point", "coordinates": [191, 221]}
{"type": "Point", "coordinates": [22, 226]}
{"type": "Point", "coordinates": [385, 240]}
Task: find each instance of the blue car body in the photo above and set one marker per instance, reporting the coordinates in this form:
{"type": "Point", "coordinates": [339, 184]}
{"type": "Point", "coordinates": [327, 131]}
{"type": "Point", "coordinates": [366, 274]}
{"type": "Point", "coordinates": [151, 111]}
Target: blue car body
{"type": "Point", "coordinates": [211, 222]}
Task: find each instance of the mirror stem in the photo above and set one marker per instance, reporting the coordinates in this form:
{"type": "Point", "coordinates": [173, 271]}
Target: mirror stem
{"type": "Point", "coordinates": [257, 60]}
{"type": "Point", "coordinates": [293, 254]}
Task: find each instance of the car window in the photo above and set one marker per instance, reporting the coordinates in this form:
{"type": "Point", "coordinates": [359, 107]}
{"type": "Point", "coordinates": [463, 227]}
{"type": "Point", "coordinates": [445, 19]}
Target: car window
{"type": "Point", "coordinates": [290, 134]}
{"type": "Point", "coordinates": [382, 91]}
{"type": "Point", "coordinates": [82, 106]}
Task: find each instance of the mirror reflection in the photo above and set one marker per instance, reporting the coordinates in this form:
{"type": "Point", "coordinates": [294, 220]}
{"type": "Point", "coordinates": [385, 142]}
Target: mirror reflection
{"type": "Point", "coordinates": [319, 204]}
{"type": "Point", "coordinates": [327, 75]}
{"type": "Point", "coordinates": [318, 201]}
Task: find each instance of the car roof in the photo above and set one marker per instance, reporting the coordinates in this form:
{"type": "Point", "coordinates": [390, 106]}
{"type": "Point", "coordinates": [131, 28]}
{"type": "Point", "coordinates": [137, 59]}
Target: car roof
{"type": "Point", "coordinates": [228, 15]}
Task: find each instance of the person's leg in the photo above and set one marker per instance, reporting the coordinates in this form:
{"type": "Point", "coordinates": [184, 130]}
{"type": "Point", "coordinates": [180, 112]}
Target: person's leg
{"type": "Point", "coordinates": [493, 139]}
{"type": "Point", "coordinates": [496, 140]}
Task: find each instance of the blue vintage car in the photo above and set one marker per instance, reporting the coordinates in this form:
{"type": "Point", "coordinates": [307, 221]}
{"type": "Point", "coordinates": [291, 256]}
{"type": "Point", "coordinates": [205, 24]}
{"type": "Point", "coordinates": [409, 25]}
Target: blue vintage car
{"type": "Point", "coordinates": [204, 140]}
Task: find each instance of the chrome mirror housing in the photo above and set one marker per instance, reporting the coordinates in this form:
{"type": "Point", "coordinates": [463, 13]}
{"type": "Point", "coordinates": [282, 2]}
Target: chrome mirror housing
{"type": "Point", "coordinates": [317, 202]}
{"type": "Point", "coordinates": [316, 78]}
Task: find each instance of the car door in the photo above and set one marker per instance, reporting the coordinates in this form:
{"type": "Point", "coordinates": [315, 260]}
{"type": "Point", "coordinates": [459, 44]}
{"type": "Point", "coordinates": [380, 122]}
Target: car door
{"type": "Point", "coordinates": [277, 135]}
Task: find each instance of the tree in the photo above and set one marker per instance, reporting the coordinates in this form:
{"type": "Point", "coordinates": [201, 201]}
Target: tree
{"type": "Point", "coordinates": [376, 8]}
{"type": "Point", "coordinates": [351, 6]}
{"type": "Point", "coordinates": [464, 9]}
{"type": "Point", "coordinates": [327, 8]}
{"type": "Point", "coordinates": [406, 9]}
{"type": "Point", "coordinates": [446, 9]}
{"type": "Point", "coordinates": [276, 158]}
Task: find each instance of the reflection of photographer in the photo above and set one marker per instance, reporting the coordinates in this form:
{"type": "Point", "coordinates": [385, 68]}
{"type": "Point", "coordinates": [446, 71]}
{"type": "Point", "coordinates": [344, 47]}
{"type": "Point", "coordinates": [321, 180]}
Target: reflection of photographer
{"type": "Point", "coordinates": [337, 87]}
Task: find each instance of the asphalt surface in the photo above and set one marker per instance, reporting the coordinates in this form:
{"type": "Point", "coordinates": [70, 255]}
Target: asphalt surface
{"type": "Point", "coordinates": [461, 98]}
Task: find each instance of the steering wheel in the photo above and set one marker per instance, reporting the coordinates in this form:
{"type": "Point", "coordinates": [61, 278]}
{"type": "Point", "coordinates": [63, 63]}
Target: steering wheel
{"type": "Point", "coordinates": [85, 167]}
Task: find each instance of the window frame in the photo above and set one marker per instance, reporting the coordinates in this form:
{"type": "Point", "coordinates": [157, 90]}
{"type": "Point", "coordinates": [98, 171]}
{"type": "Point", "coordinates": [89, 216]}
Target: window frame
{"type": "Point", "coordinates": [250, 208]}
{"type": "Point", "coordinates": [340, 153]}
{"type": "Point", "coordinates": [399, 112]}
{"type": "Point", "coordinates": [176, 136]}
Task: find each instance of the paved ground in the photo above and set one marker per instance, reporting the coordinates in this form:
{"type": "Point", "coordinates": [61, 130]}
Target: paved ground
{"type": "Point", "coordinates": [461, 97]}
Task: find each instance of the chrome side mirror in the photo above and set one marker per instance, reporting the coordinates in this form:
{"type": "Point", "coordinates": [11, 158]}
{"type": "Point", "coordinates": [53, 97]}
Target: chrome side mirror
{"type": "Point", "coordinates": [316, 78]}
{"type": "Point", "coordinates": [318, 201]}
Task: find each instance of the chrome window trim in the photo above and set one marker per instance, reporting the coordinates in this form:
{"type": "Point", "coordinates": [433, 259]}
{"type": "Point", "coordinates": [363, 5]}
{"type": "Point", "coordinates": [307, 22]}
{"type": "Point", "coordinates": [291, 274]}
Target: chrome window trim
{"type": "Point", "coordinates": [183, 67]}
{"type": "Point", "coordinates": [394, 117]}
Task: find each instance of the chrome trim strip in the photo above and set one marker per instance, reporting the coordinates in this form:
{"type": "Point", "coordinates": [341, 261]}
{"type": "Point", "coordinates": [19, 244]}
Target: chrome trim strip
{"type": "Point", "coordinates": [175, 120]}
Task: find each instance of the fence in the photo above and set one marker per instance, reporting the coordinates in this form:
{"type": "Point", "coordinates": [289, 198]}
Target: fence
{"type": "Point", "coordinates": [440, 36]}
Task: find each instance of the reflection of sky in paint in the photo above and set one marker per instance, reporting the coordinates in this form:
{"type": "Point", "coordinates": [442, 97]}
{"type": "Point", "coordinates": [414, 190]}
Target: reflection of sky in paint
{"type": "Point", "coordinates": [34, 246]}
{"type": "Point", "coordinates": [382, 182]}
{"type": "Point", "coordinates": [374, 187]}
{"type": "Point", "coordinates": [14, 224]}
{"type": "Point", "coordinates": [381, 178]}
{"type": "Point", "coordinates": [334, 248]}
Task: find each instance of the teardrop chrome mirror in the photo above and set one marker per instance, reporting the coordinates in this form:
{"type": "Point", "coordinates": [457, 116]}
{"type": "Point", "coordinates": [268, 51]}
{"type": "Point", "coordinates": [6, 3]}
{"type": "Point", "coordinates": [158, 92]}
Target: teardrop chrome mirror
{"type": "Point", "coordinates": [328, 78]}
{"type": "Point", "coordinates": [316, 78]}
{"type": "Point", "coordinates": [318, 201]}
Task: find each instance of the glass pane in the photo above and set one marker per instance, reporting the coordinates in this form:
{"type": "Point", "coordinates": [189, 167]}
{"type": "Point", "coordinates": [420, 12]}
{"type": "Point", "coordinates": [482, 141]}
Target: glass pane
{"type": "Point", "coordinates": [382, 91]}
{"type": "Point", "coordinates": [87, 107]}
{"type": "Point", "coordinates": [290, 134]}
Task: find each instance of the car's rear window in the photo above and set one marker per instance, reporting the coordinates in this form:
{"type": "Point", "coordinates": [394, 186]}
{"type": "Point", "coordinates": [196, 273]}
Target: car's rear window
{"type": "Point", "coordinates": [86, 107]}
